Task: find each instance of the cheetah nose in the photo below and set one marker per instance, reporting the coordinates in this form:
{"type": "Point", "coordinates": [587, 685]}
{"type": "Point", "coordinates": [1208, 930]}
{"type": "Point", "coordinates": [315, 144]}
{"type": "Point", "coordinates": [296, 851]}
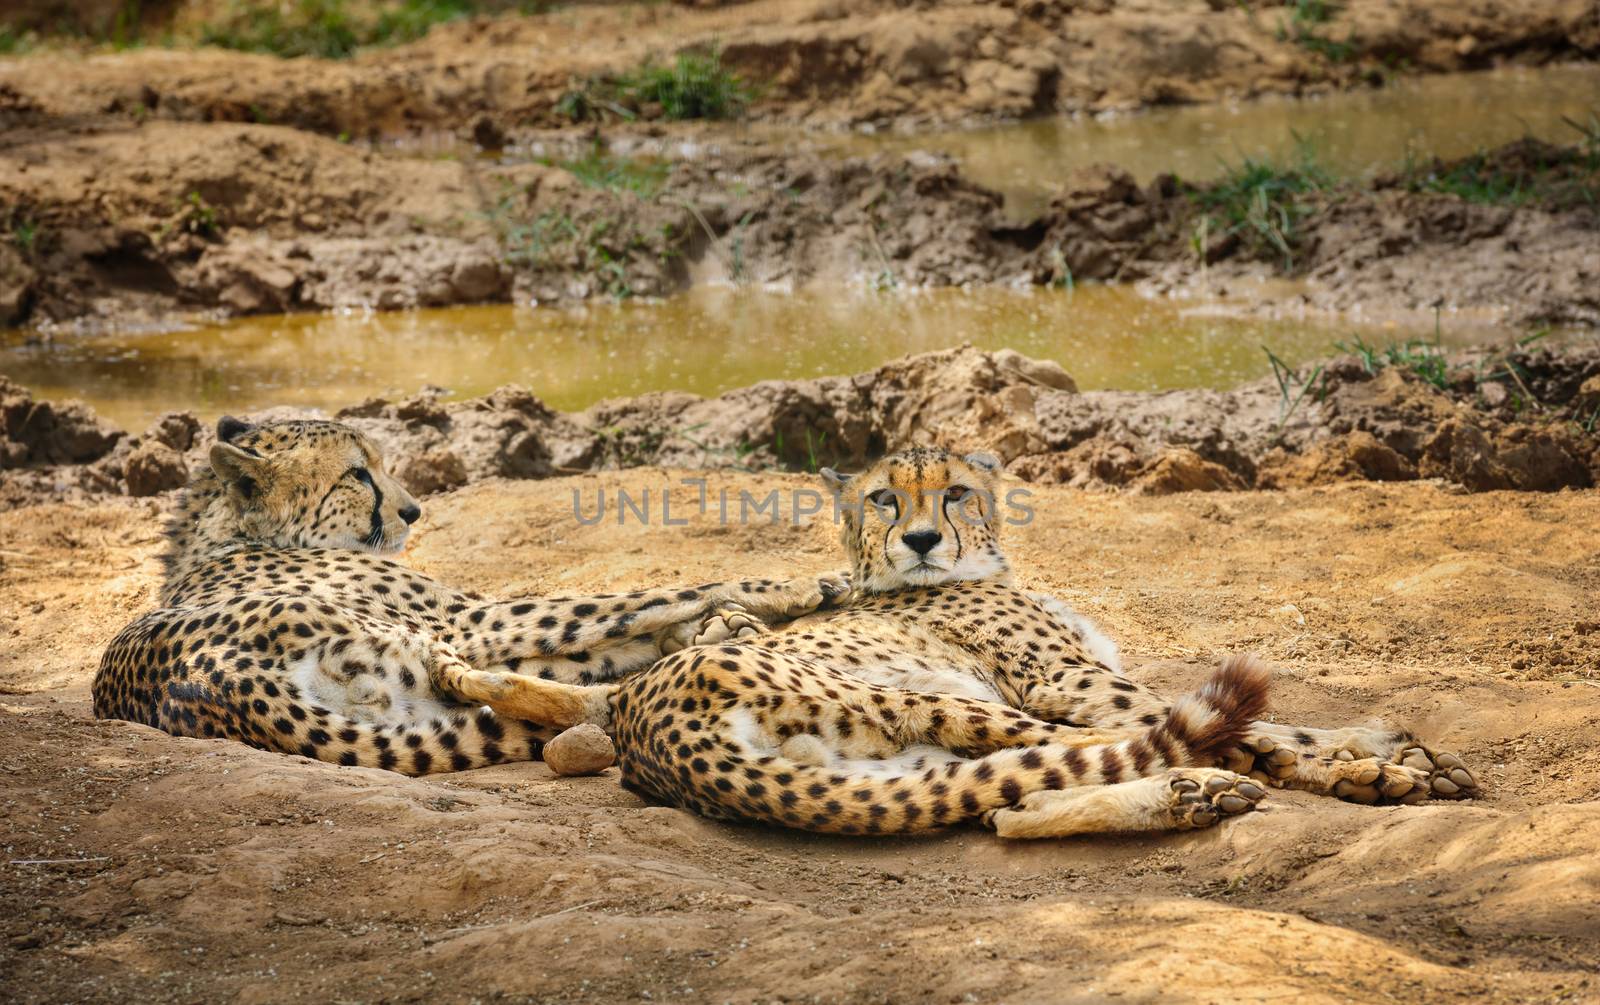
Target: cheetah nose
{"type": "Point", "coordinates": [411, 514]}
{"type": "Point", "coordinates": [923, 541]}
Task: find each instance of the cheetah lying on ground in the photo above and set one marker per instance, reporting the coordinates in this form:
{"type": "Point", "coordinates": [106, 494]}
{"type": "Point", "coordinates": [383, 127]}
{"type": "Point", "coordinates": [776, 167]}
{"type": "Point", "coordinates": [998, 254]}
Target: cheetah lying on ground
{"type": "Point", "coordinates": [940, 693]}
{"type": "Point", "coordinates": [280, 625]}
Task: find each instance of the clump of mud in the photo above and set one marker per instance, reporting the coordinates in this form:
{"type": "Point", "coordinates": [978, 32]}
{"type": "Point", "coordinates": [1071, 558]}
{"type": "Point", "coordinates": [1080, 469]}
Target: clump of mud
{"type": "Point", "coordinates": [1522, 420]}
{"type": "Point", "coordinates": [63, 450]}
{"type": "Point", "coordinates": [177, 219]}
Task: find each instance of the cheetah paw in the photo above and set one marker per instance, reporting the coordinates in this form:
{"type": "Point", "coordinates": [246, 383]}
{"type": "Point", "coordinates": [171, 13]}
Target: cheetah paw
{"type": "Point", "coordinates": [1416, 773]}
{"type": "Point", "coordinates": [1357, 777]}
{"type": "Point", "coordinates": [1201, 798]}
{"type": "Point", "coordinates": [803, 596]}
{"type": "Point", "coordinates": [1447, 774]}
{"type": "Point", "coordinates": [729, 623]}
{"type": "Point", "coordinates": [1372, 782]}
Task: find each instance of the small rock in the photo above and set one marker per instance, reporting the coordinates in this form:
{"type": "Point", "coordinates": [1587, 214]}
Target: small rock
{"type": "Point", "coordinates": [1589, 395]}
{"type": "Point", "coordinates": [154, 468]}
{"type": "Point", "coordinates": [1179, 469]}
{"type": "Point", "coordinates": [478, 279]}
{"type": "Point", "coordinates": [298, 919]}
{"type": "Point", "coordinates": [176, 429]}
{"type": "Point", "coordinates": [582, 750]}
{"type": "Point", "coordinates": [488, 134]}
{"type": "Point", "coordinates": [1046, 372]}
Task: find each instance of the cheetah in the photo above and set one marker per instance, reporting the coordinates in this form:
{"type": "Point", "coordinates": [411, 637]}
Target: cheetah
{"type": "Point", "coordinates": [282, 624]}
{"type": "Point", "coordinates": [923, 535]}
{"type": "Point", "coordinates": [939, 693]}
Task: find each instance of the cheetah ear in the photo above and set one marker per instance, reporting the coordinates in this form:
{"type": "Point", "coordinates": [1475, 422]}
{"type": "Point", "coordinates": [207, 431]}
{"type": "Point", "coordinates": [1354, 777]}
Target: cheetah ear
{"type": "Point", "coordinates": [240, 470]}
{"type": "Point", "coordinates": [230, 429]}
{"type": "Point", "coordinates": [834, 480]}
{"type": "Point", "coordinates": [983, 462]}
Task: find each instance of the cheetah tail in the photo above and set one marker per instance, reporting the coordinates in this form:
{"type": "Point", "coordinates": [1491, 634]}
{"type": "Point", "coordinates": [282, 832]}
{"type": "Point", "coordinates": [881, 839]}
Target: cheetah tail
{"type": "Point", "coordinates": [1209, 722]}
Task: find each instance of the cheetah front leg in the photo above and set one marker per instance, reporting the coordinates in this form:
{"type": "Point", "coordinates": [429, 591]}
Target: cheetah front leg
{"type": "Point", "coordinates": [574, 629]}
{"type": "Point", "coordinates": [520, 696]}
{"type": "Point", "coordinates": [1179, 799]}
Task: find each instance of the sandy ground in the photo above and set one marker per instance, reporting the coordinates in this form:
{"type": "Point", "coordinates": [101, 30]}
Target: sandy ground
{"type": "Point", "coordinates": [203, 870]}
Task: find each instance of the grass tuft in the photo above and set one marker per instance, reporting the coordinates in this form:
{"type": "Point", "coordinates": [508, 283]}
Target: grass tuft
{"type": "Point", "coordinates": [1259, 203]}
{"type": "Point", "coordinates": [327, 28]}
{"type": "Point", "coordinates": [1529, 172]}
{"type": "Point", "coordinates": [695, 86]}
{"type": "Point", "coordinates": [14, 42]}
{"type": "Point", "coordinates": [1292, 390]}
{"type": "Point", "coordinates": [1423, 357]}
{"type": "Point", "coordinates": [599, 169]}
{"type": "Point", "coordinates": [1305, 18]}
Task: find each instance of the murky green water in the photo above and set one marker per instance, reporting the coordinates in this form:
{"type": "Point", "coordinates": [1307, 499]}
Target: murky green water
{"type": "Point", "coordinates": [707, 341]}
{"type": "Point", "coordinates": [1354, 132]}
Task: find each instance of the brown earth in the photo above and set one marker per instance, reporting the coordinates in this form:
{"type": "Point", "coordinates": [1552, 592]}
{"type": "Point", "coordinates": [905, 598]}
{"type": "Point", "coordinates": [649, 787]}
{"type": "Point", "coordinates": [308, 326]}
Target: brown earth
{"type": "Point", "coordinates": [133, 225]}
{"type": "Point", "coordinates": [819, 62]}
{"type": "Point", "coordinates": [144, 867]}
{"type": "Point", "coordinates": [1520, 419]}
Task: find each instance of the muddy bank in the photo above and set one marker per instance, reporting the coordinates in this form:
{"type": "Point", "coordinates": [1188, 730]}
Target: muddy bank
{"type": "Point", "coordinates": [1523, 420]}
{"type": "Point", "coordinates": [181, 870]}
{"type": "Point", "coordinates": [816, 63]}
{"type": "Point", "coordinates": [147, 225]}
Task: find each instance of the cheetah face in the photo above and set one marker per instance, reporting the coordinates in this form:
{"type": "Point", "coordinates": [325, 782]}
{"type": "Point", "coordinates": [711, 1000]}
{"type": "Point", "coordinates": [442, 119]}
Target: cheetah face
{"type": "Point", "coordinates": [921, 517]}
{"type": "Point", "coordinates": [311, 485]}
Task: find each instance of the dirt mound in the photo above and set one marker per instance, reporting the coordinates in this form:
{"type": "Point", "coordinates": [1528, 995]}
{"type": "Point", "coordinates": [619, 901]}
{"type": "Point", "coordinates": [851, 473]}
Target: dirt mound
{"type": "Point", "coordinates": [51, 450]}
{"type": "Point", "coordinates": [141, 224]}
{"type": "Point", "coordinates": [145, 225]}
{"type": "Point", "coordinates": [819, 62]}
{"type": "Point", "coordinates": [143, 867]}
{"type": "Point", "coordinates": [1520, 420]}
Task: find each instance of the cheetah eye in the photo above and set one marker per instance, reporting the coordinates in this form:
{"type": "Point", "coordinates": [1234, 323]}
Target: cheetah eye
{"type": "Point", "coordinates": [886, 499]}
{"type": "Point", "coordinates": [956, 493]}
{"type": "Point", "coordinates": [362, 475]}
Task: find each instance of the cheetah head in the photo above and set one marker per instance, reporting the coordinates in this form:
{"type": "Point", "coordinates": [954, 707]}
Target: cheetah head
{"type": "Point", "coordinates": [921, 517]}
{"type": "Point", "coordinates": [310, 484]}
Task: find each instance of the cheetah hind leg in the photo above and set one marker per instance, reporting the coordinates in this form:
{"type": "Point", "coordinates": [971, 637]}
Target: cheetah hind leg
{"type": "Point", "coordinates": [1179, 799]}
{"type": "Point", "coordinates": [521, 696]}
{"type": "Point", "coordinates": [1360, 764]}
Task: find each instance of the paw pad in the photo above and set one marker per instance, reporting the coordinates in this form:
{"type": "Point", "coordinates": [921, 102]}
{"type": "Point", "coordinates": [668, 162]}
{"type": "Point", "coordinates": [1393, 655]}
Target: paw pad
{"type": "Point", "coordinates": [1200, 804]}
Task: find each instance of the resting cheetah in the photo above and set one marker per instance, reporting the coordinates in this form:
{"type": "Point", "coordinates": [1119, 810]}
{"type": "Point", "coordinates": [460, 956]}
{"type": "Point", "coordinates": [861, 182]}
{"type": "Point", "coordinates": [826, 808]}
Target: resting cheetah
{"type": "Point", "coordinates": [926, 521]}
{"type": "Point", "coordinates": [941, 694]}
{"type": "Point", "coordinates": [282, 626]}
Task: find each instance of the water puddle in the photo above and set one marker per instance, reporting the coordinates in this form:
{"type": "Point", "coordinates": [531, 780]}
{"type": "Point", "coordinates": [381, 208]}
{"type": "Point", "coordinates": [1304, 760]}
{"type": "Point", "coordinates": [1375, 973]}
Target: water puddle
{"type": "Point", "coordinates": [1354, 132]}
{"type": "Point", "coordinates": [706, 341]}
{"type": "Point", "coordinates": [715, 338]}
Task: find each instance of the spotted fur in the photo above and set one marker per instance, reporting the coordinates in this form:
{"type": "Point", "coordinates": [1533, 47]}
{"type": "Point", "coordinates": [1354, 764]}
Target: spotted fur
{"type": "Point", "coordinates": [942, 693]}
{"type": "Point", "coordinates": [283, 625]}
{"type": "Point", "coordinates": [850, 724]}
